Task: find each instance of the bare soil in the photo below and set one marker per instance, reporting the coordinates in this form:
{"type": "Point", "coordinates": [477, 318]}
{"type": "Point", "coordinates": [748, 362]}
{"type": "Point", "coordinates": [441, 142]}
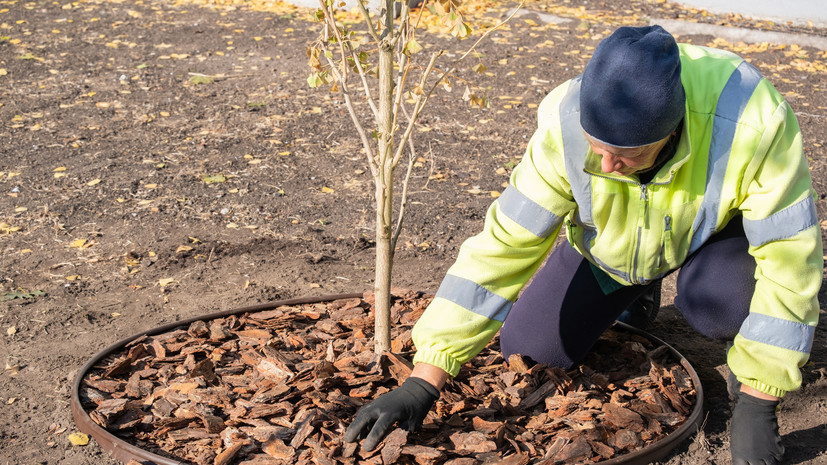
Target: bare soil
{"type": "Point", "coordinates": [108, 226]}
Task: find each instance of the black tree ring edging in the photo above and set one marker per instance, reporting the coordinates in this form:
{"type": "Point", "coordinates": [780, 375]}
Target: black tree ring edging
{"type": "Point", "coordinates": [124, 451]}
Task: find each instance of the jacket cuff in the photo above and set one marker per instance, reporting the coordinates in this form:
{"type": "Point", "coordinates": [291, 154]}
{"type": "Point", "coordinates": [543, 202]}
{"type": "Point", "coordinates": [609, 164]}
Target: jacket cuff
{"type": "Point", "coordinates": [438, 359]}
{"type": "Point", "coordinates": [761, 387]}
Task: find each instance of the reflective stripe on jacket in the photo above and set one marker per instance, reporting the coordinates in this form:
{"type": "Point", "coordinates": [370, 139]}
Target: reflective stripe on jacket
{"type": "Point", "coordinates": [740, 155]}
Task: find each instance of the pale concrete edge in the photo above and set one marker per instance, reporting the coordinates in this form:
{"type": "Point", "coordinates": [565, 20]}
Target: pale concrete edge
{"type": "Point", "coordinates": [737, 34]}
{"type": "Point", "coordinates": [732, 34]}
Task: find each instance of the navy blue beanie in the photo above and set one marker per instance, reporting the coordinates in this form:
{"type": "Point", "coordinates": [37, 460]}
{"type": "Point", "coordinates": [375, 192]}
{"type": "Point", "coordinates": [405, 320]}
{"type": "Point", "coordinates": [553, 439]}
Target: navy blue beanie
{"type": "Point", "coordinates": [631, 93]}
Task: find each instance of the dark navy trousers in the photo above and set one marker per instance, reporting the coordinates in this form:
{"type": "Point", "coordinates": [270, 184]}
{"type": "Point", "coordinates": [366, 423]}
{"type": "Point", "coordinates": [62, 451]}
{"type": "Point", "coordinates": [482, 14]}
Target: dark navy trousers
{"type": "Point", "coordinates": [563, 311]}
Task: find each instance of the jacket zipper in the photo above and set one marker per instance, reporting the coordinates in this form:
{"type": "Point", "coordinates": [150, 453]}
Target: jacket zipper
{"type": "Point", "coordinates": [644, 191]}
{"type": "Point", "coordinates": [643, 197]}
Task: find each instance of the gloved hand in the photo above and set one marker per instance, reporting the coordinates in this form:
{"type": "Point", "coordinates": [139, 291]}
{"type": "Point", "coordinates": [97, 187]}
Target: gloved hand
{"type": "Point", "coordinates": [408, 404]}
{"type": "Point", "coordinates": [754, 438]}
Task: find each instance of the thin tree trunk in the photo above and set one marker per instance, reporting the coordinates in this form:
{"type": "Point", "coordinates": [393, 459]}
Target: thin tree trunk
{"type": "Point", "coordinates": [382, 290]}
{"type": "Point", "coordinates": [384, 201]}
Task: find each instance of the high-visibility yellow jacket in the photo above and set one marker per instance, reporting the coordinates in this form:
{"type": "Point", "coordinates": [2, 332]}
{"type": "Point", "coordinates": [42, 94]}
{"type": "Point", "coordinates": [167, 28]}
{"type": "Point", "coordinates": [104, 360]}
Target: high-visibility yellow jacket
{"type": "Point", "coordinates": [739, 155]}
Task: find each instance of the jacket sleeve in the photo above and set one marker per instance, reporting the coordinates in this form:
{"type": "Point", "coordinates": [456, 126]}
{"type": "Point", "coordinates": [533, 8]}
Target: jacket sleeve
{"type": "Point", "coordinates": [781, 225]}
{"type": "Point", "coordinates": [492, 267]}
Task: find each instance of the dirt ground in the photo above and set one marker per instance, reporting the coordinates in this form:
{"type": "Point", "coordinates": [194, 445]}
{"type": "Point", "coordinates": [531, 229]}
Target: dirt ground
{"type": "Point", "coordinates": [161, 160]}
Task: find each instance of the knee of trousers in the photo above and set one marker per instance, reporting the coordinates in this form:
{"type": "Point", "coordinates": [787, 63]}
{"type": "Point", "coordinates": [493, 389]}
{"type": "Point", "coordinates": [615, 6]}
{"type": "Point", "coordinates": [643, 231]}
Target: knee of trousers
{"type": "Point", "coordinates": [713, 308]}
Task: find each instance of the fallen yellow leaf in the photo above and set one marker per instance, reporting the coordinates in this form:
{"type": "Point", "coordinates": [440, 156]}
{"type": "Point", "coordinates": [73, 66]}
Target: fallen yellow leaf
{"type": "Point", "coordinates": [200, 79]}
{"type": "Point", "coordinates": [327, 190]}
{"type": "Point", "coordinates": [78, 439]}
{"type": "Point", "coordinates": [210, 179]}
{"type": "Point", "coordinates": [78, 243]}
{"type": "Point", "coordinates": [7, 228]}
{"type": "Point", "coordinates": [183, 248]}
{"type": "Point", "coordinates": [93, 182]}
{"type": "Point", "coordinates": [165, 281]}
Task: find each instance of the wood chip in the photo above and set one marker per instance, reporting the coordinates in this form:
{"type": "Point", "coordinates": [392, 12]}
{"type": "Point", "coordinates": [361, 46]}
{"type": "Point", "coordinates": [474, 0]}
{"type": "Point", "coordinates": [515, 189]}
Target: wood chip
{"type": "Point", "coordinates": [423, 455]}
{"type": "Point", "coordinates": [472, 442]}
{"type": "Point", "coordinates": [392, 448]}
{"type": "Point", "coordinates": [276, 448]}
{"type": "Point", "coordinates": [304, 429]}
{"type": "Point", "coordinates": [622, 417]}
{"type": "Point", "coordinates": [227, 455]}
{"type": "Point", "coordinates": [198, 328]}
{"type": "Point", "coordinates": [517, 363]}
{"type": "Point", "coordinates": [577, 450]}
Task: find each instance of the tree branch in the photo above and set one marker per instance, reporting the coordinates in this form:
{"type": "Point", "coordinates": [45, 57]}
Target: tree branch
{"type": "Point", "coordinates": [353, 116]}
{"type": "Point", "coordinates": [363, 76]}
{"type": "Point", "coordinates": [342, 78]}
{"type": "Point", "coordinates": [347, 49]}
{"type": "Point", "coordinates": [366, 14]}
{"type": "Point", "coordinates": [403, 201]}
{"type": "Point", "coordinates": [422, 100]}
{"type": "Point", "coordinates": [420, 103]}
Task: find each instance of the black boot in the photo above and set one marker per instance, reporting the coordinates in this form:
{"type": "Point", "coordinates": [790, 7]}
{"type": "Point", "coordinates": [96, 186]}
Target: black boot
{"type": "Point", "coordinates": [643, 311]}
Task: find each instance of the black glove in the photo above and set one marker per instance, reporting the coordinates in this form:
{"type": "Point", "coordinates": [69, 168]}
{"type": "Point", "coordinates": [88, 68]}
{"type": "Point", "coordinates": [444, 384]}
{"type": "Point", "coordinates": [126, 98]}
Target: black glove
{"type": "Point", "coordinates": [754, 438]}
{"type": "Point", "coordinates": [409, 403]}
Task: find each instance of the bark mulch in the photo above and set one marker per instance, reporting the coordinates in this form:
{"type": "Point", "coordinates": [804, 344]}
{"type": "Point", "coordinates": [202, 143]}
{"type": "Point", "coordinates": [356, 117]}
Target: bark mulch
{"type": "Point", "coordinates": [280, 386]}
